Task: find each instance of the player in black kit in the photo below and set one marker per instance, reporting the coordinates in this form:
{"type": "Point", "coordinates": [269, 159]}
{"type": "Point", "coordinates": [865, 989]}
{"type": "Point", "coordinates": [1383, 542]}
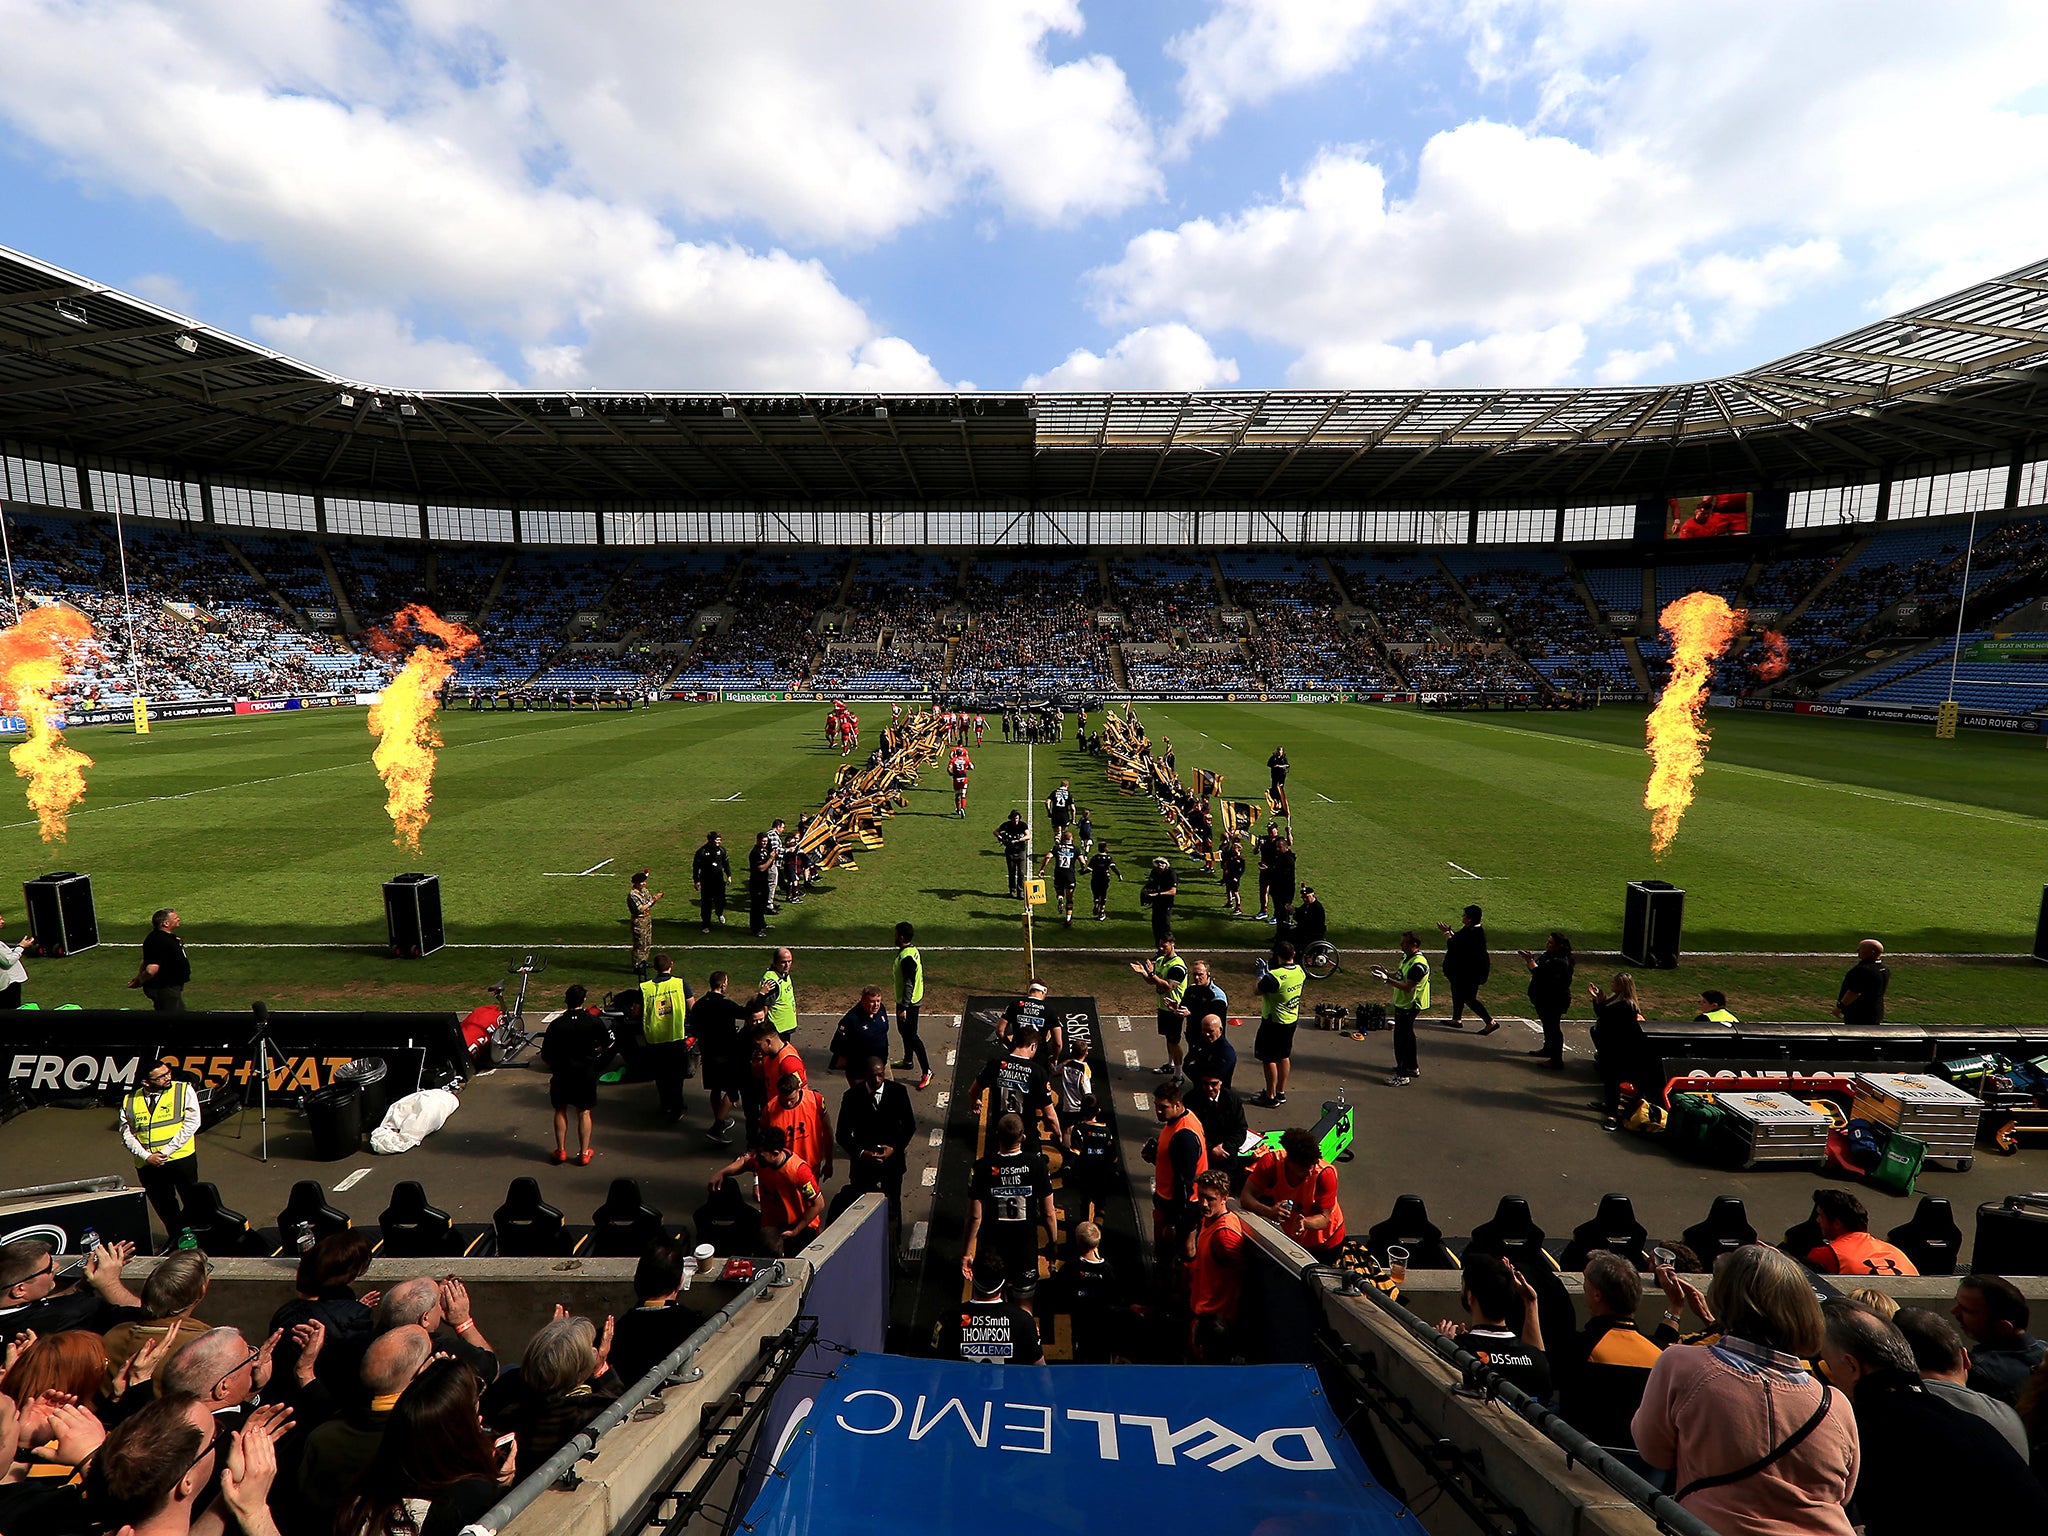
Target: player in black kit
{"type": "Point", "coordinates": [1233, 873]}
{"type": "Point", "coordinates": [1100, 867]}
{"type": "Point", "coordinates": [1064, 860]}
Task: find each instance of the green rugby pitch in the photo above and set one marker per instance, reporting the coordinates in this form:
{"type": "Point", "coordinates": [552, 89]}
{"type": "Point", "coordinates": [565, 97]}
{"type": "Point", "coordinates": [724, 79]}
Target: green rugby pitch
{"type": "Point", "coordinates": [1806, 835]}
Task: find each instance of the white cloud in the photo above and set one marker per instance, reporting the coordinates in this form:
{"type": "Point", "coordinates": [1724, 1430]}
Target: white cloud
{"type": "Point", "coordinates": [378, 347]}
{"type": "Point", "coordinates": [1893, 129]}
{"type": "Point", "coordinates": [1743, 287]}
{"type": "Point", "coordinates": [1171, 357]}
{"type": "Point", "coordinates": [1625, 365]}
{"type": "Point", "coordinates": [165, 291]}
{"type": "Point", "coordinates": [1503, 233]}
{"type": "Point", "coordinates": [1686, 173]}
{"type": "Point", "coordinates": [367, 208]}
{"type": "Point", "coordinates": [1503, 359]}
{"type": "Point", "coordinates": [1250, 51]}
{"type": "Point", "coordinates": [816, 118]}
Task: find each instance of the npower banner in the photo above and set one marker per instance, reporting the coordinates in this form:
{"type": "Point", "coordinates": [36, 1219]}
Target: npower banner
{"type": "Point", "coordinates": [1193, 1450]}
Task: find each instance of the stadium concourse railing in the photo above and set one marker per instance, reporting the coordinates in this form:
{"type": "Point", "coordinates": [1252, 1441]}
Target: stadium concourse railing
{"type": "Point", "coordinates": [1451, 1434]}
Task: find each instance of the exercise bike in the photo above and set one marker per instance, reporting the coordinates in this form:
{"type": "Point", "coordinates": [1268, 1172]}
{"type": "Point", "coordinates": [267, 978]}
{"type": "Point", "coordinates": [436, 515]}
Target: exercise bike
{"type": "Point", "coordinates": [509, 1038]}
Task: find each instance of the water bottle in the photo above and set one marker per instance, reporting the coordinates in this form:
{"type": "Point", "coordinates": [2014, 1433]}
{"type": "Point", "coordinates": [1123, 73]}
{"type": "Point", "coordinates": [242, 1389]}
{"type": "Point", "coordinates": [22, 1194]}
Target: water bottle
{"type": "Point", "coordinates": [302, 1236]}
{"type": "Point", "coordinates": [689, 1269]}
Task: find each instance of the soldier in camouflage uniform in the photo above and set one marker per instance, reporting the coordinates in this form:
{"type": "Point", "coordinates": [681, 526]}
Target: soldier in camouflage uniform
{"type": "Point", "coordinates": [640, 908]}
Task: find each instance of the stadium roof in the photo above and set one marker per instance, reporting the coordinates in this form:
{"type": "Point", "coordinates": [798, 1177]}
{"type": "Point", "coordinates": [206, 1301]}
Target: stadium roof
{"type": "Point", "coordinates": [99, 373]}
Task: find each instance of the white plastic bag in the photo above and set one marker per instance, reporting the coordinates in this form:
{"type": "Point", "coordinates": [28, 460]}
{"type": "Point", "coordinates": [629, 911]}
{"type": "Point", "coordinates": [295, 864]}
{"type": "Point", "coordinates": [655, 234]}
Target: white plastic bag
{"type": "Point", "coordinates": [413, 1119]}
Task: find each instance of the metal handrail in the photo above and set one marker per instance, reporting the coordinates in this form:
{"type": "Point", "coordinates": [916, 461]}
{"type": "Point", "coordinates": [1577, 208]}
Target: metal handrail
{"type": "Point", "coordinates": [1661, 1507]}
{"type": "Point", "coordinates": [99, 1183]}
{"type": "Point", "coordinates": [544, 1477]}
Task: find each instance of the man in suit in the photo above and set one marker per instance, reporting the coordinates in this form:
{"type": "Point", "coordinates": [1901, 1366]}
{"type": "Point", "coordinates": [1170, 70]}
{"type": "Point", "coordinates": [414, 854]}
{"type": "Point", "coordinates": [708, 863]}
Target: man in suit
{"type": "Point", "coordinates": [876, 1123]}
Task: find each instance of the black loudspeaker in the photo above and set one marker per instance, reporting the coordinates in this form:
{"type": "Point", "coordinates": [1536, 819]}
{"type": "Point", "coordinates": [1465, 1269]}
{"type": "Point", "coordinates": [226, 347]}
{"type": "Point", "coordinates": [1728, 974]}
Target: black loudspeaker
{"type": "Point", "coordinates": [412, 915]}
{"type": "Point", "coordinates": [2041, 929]}
{"type": "Point", "coordinates": [2012, 1237]}
{"type": "Point", "coordinates": [1650, 922]}
{"type": "Point", "coordinates": [61, 918]}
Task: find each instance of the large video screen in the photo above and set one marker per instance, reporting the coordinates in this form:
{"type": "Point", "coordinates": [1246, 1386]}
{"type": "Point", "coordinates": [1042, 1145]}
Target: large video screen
{"type": "Point", "coordinates": [1707, 517]}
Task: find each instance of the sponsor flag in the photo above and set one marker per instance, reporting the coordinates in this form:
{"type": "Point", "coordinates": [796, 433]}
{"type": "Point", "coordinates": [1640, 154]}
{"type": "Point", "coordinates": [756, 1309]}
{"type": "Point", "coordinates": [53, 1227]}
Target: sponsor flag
{"type": "Point", "coordinates": [1198, 1450]}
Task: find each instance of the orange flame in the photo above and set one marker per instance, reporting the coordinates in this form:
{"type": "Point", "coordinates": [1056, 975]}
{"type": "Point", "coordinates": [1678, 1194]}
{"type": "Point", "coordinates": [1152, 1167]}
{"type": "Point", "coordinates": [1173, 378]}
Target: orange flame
{"type": "Point", "coordinates": [1700, 625]}
{"type": "Point", "coordinates": [403, 718]}
{"type": "Point", "coordinates": [1770, 666]}
{"type": "Point", "coordinates": [34, 656]}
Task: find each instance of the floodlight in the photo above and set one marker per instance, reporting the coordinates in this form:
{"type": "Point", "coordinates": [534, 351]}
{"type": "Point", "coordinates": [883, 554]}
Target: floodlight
{"type": "Point", "coordinates": [347, 400]}
{"type": "Point", "coordinates": [729, 412]}
{"type": "Point", "coordinates": [881, 413]}
{"type": "Point", "coordinates": [408, 409]}
{"type": "Point", "coordinates": [575, 410]}
{"type": "Point", "coordinates": [75, 313]}
{"type": "Point", "coordinates": [186, 342]}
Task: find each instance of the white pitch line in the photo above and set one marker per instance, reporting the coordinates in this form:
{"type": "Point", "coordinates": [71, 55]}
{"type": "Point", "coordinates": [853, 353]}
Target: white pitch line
{"type": "Point", "coordinates": [1461, 869]}
{"type": "Point", "coordinates": [727, 799]}
{"type": "Point", "coordinates": [1326, 799]}
{"type": "Point", "coordinates": [279, 778]}
{"type": "Point", "coordinates": [382, 946]}
{"type": "Point", "coordinates": [1797, 781]}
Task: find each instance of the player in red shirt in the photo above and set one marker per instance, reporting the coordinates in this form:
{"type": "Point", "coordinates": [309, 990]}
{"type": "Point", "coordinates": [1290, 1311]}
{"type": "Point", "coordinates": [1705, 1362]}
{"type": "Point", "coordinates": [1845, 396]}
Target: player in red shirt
{"type": "Point", "coordinates": [960, 765]}
{"type": "Point", "coordinates": [792, 1206]}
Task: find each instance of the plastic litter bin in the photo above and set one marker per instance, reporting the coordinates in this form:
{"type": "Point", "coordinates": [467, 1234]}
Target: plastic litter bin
{"type": "Point", "coordinates": [373, 1076]}
{"type": "Point", "coordinates": [335, 1116]}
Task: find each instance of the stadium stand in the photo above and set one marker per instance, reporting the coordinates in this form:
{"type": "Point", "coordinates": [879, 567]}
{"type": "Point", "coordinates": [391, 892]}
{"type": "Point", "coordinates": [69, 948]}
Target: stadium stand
{"type": "Point", "coordinates": [202, 625]}
{"type": "Point", "coordinates": [767, 638]}
{"type": "Point", "coordinates": [239, 609]}
{"type": "Point", "coordinates": [1543, 617]}
{"type": "Point", "coordinates": [1034, 629]}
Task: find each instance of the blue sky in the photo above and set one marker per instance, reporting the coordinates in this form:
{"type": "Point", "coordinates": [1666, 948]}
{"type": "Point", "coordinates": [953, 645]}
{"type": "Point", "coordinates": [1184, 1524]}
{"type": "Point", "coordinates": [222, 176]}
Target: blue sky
{"type": "Point", "coordinates": [1263, 193]}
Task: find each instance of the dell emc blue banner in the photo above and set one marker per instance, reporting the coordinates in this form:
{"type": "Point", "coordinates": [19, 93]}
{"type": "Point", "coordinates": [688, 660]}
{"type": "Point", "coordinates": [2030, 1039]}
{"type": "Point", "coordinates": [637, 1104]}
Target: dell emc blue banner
{"type": "Point", "coordinates": [1059, 1448]}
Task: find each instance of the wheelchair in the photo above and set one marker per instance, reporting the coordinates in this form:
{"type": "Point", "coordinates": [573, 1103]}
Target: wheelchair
{"type": "Point", "coordinates": [1320, 960]}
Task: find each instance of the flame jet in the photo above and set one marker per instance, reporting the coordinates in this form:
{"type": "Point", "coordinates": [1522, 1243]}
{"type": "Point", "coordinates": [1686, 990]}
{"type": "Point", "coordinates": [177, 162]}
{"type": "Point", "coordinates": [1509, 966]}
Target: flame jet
{"type": "Point", "coordinates": [1701, 625]}
{"type": "Point", "coordinates": [403, 718]}
{"type": "Point", "coordinates": [35, 654]}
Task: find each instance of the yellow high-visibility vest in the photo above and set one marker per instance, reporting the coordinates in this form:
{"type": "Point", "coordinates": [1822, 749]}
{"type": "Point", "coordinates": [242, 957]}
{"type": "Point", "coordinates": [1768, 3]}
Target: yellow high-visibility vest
{"type": "Point", "coordinates": [913, 993]}
{"type": "Point", "coordinates": [1284, 1006]}
{"type": "Point", "coordinates": [662, 1006]}
{"type": "Point", "coordinates": [157, 1125]}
